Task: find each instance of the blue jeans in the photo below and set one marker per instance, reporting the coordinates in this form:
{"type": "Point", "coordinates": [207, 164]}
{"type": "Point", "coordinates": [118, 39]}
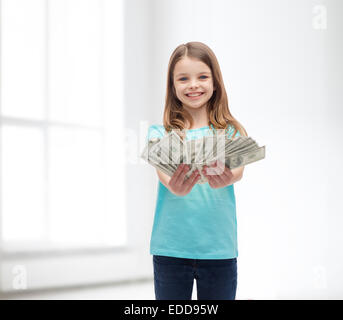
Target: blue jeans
{"type": "Point", "coordinates": [216, 279]}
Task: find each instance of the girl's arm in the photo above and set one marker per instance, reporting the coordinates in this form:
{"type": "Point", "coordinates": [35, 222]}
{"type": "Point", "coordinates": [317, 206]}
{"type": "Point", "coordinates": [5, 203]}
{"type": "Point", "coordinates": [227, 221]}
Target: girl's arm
{"type": "Point", "coordinates": [178, 184]}
{"type": "Point", "coordinates": [164, 178]}
{"type": "Point", "coordinates": [219, 176]}
{"type": "Point", "coordinates": [237, 174]}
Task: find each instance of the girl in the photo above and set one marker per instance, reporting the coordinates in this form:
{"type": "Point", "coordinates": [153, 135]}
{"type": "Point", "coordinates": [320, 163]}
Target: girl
{"type": "Point", "coordinates": [194, 234]}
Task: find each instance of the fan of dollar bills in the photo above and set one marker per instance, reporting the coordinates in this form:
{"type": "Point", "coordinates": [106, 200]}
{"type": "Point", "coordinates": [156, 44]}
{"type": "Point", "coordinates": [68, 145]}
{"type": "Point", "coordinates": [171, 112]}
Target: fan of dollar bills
{"type": "Point", "coordinates": [168, 152]}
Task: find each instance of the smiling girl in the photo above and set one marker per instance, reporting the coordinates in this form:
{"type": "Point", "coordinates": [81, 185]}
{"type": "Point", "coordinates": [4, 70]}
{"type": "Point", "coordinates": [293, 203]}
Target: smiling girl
{"type": "Point", "coordinates": [194, 235]}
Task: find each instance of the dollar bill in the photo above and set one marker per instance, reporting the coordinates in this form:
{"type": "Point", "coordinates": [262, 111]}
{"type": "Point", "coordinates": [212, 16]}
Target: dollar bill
{"type": "Point", "coordinates": [167, 153]}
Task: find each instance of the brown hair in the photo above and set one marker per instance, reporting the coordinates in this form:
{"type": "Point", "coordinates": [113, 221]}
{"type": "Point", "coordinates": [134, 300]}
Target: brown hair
{"type": "Point", "coordinates": [218, 111]}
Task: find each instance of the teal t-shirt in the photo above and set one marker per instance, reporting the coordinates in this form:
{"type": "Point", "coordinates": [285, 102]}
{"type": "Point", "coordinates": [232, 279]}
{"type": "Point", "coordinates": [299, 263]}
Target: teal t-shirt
{"type": "Point", "coordinates": [200, 225]}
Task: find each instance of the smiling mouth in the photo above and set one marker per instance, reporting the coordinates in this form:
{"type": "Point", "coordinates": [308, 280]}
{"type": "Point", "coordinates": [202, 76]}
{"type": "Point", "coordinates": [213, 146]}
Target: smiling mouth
{"type": "Point", "coordinates": [195, 96]}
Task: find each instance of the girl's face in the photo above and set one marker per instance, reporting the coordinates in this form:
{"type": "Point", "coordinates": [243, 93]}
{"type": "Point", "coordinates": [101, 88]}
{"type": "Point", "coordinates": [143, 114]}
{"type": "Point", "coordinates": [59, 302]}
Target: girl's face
{"type": "Point", "coordinates": [193, 76]}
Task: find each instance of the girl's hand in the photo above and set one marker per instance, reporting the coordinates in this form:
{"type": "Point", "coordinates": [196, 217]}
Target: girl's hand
{"type": "Point", "coordinates": [218, 175]}
{"type": "Point", "coordinates": [178, 185]}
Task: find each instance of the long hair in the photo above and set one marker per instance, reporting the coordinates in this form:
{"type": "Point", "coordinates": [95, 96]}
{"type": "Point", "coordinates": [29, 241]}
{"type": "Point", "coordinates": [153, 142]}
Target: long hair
{"type": "Point", "coordinates": [218, 112]}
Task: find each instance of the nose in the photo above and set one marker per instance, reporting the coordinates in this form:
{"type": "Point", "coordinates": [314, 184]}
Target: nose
{"type": "Point", "coordinates": [193, 83]}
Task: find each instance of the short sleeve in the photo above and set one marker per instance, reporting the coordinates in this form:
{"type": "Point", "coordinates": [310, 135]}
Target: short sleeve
{"type": "Point", "coordinates": [155, 131]}
{"type": "Point", "coordinates": [231, 130]}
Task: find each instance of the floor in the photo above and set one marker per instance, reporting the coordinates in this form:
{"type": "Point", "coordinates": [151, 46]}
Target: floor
{"type": "Point", "coordinates": [142, 290]}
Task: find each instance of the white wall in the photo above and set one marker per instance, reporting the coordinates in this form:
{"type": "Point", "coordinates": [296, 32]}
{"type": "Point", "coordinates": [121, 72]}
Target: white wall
{"type": "Point", "coordinates": [284, 82]}
{"type": "Point", "coordinates": [106, 265]}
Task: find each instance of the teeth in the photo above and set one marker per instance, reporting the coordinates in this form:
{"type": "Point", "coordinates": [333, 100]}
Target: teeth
{"type": "Point", "coordinates": [194, 95]}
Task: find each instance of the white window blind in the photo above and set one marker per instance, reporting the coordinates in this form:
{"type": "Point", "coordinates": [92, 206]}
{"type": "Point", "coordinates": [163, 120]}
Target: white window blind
{"type": "Point", "coordinates": [62, 174]}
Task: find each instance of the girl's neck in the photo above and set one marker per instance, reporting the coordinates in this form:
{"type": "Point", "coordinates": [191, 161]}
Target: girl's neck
{"type": "Point", "coordinates": [197, 126]}
{"type": "Point", "coordinates": [199, 117]}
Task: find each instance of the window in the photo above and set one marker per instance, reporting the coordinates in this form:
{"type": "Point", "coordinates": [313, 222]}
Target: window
{"type": "Point", "coordinates": [61, 141]}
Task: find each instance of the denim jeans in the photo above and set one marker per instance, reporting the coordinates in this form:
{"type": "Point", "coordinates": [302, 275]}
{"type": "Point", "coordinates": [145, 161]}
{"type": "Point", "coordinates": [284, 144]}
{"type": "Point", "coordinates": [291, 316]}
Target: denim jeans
{"type": "Point", "coordinates": [216, 279]}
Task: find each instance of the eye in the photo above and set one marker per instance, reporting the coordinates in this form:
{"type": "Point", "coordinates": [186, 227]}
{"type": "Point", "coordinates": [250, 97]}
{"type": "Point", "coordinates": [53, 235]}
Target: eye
{"type": "Point", "coordinates": [182, 79]}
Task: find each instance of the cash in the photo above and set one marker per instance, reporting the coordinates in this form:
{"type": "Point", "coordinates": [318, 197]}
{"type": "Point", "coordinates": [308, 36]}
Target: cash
{"type": "Point", "coordinates": [167, 153]}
